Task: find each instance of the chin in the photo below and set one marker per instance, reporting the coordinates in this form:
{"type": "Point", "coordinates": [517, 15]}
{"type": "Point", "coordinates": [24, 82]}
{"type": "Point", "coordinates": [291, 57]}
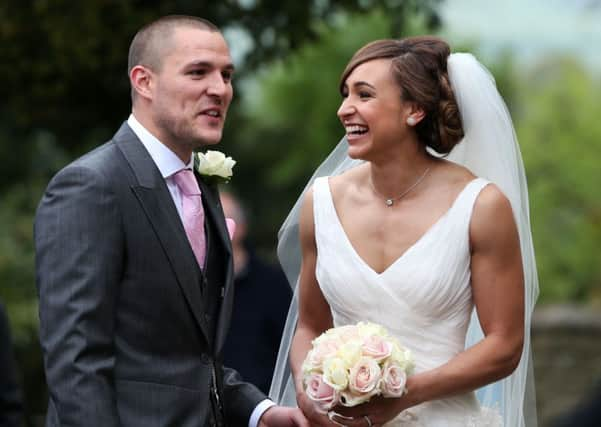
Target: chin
{"type": "Point", "coordinates": [210, 139]}
{"type": "Point", "coordinates": [357, 152]}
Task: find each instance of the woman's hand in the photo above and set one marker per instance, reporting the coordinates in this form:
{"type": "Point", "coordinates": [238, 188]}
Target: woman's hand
{"type": "Point", "coordinates": [378, 411]}
{"type": "Point", "coordinates": [310, 411]}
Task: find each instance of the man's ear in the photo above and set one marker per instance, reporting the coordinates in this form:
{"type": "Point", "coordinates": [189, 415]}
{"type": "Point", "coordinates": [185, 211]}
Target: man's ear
{"type": "Point", "coordinates": [141, 80]}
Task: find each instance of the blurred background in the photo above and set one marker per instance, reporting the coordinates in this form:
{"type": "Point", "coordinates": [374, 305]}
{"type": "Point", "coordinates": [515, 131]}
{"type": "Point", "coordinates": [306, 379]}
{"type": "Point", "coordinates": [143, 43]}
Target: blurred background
{"type": "Point", "coordinates": [64, 90]}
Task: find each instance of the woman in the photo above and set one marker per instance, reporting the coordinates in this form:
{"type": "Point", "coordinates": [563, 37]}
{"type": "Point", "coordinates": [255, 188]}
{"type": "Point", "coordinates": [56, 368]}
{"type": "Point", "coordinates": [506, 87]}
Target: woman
{"type": "Point", "coordinates": [415, 242]}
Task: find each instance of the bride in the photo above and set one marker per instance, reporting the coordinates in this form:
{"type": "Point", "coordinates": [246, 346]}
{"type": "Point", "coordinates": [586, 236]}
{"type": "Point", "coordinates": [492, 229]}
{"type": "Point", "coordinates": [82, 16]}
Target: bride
{"type": "Point", "coordinates": [394, 231]}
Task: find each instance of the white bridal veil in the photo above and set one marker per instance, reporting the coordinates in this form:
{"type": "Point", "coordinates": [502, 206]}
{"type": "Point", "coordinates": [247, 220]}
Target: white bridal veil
{"type": "Point", "coordinates": [490, 150]}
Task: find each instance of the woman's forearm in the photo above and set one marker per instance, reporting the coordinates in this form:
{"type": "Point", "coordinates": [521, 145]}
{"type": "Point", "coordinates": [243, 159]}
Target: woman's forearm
{"type": "Point", "coordinates": [301, 344]}
{"type": "Point", "coordinates": [493, 358]}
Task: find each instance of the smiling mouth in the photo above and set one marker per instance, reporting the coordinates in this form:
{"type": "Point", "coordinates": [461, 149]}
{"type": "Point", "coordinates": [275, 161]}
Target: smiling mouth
{"type": "Point", "coordinates": [215, 113]}
{"type": "Point", "coordinates": [356, 130]}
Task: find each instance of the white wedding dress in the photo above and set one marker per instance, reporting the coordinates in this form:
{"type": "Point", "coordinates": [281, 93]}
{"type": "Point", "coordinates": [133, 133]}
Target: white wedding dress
{"type": "Point", "coordinates": [424, 298]}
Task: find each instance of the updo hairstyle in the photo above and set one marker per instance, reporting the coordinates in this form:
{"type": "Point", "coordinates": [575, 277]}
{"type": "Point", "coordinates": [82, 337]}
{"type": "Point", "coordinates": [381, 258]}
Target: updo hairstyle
{"type": "Point", "coordinates": [419, 66]}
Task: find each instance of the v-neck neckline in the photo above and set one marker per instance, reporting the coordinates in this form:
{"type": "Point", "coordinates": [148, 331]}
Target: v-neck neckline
{"type": "Point", "coordinates": [411, 247]}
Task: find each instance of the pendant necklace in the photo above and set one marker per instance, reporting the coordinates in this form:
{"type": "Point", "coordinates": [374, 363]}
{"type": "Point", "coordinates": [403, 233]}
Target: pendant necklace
{"type": "Point", "coordinates": [390, 201]}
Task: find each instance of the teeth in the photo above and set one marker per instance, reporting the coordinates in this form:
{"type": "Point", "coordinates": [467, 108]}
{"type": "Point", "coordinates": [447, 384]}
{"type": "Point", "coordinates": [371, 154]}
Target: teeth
{"type": "Point", "coordinates": [213, 113]}
{"type": "Point", "coordinates": [356, 129]}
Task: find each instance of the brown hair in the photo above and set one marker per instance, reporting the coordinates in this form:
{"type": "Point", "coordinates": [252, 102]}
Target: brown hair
{"type": "Point", "coordinates": [419, 66]}
{"type": "Point", "coordinates": [151, 42]}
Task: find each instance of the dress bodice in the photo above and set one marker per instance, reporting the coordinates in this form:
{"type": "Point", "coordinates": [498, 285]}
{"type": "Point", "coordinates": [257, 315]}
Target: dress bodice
{"type": "Point", "coordinates": [424, 297]}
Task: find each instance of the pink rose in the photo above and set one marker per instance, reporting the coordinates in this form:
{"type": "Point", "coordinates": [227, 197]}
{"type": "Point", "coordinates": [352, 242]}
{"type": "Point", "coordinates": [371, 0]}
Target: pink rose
{"type": "Point", "coordinates": [393, 380]}
{"type": "Point", "coordinates": [365, 376]}
{"type": "Point", "coordinates": [324, 396]}
{"type": "Point", "coordinates": [323, 350]}
{"type": "Point", "coordinates": [376, 347]}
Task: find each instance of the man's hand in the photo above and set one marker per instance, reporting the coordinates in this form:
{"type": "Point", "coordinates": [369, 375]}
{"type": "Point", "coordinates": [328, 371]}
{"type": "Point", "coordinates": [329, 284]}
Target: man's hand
{"type": "Point", "coordinates": [281, 416]}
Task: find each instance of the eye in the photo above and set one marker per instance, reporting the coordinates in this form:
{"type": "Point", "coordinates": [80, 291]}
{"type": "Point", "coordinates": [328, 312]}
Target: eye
{"type": "Point", "coordinates": [197, 72]}
{"type": "Point", "coordinates": [227, 76]}
{"type": "Point", "coordinates": [364, 95]}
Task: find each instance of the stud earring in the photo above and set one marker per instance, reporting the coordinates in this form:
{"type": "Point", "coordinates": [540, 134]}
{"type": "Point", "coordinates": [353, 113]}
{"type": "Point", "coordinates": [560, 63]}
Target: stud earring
{"type": "Point", "coordinates": [411, 121]}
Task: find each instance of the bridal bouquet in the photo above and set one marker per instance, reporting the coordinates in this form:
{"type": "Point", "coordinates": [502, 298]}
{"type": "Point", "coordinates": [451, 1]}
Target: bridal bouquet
{"type": "Point", "coordinates": [350, 364]}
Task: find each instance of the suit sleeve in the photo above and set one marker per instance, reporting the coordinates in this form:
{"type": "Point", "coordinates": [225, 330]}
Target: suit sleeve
{"type": "Point", "coordinates": [240, 398]}
{"type": "Point", "coordinates": [79, 261]}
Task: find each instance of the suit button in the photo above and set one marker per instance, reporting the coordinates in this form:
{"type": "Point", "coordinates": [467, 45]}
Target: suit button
{"type": "Point", "coordinates": [208, 317]}
{"type": "Point", "coordinates": [204, 358]}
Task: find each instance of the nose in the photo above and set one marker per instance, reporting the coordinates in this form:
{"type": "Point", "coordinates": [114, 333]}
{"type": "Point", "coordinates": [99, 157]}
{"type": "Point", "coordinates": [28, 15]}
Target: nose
{"type": "Point", "coordinates": [217, 86]}
{"type": "Point", "coordinates": [346, 109]}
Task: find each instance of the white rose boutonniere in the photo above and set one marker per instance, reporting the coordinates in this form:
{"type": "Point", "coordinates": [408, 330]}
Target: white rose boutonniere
{"type": "Point", "coordinates": [215, 165]}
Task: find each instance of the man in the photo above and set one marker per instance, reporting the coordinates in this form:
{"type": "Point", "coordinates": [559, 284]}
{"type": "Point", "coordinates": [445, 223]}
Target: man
{"type": "Point", "coordinates": [257, 321]}
{"type": "Point", "coordinates": [134, 272]}
{"type": "Point", "coordinates": [11, 406]}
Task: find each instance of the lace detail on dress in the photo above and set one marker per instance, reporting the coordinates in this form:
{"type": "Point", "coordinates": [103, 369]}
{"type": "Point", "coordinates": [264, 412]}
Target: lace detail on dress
{"type": "Point", "coordinates": [488, 417]}
{"type": "Point", "coordinates": [405, 419]}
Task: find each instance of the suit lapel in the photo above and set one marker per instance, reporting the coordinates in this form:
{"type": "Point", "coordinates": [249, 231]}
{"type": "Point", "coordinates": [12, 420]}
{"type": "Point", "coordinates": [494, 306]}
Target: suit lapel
{"type": "Point", "coordinates": [157, 203]}
{"type": "Point", "coordinates": [214, 213]}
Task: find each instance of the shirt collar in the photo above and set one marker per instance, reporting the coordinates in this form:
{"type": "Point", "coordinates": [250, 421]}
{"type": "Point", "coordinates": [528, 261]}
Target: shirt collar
{"type": "Point", "coordinates": [165, 159]}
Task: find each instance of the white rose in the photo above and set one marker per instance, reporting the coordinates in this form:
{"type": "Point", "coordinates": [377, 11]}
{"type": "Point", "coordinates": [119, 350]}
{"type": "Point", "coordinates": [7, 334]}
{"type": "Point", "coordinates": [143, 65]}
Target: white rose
{"type": "Point", "coordinates": [215, 163]}
{"type": "Point", "coordinates": [335, 373]}
{"type": "Point", "coordinates": [370, 329]}
{"type": "Point", "coordinates": [350, 353]}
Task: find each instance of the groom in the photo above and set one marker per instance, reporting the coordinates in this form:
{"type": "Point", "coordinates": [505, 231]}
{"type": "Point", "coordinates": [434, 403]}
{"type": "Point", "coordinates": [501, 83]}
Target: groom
{"type": "Point", "coordinates": [134, 281]}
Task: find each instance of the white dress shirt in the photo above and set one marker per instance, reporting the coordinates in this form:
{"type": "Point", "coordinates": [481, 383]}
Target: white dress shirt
{"type": "Point", "coordinates": [165, 159]}
{"type": "Point", "coordinates": [169, 164]}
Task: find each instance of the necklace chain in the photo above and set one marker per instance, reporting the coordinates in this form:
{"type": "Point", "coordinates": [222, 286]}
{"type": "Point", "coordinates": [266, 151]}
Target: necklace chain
{"type": "Point", "coordinates": [389, 201]}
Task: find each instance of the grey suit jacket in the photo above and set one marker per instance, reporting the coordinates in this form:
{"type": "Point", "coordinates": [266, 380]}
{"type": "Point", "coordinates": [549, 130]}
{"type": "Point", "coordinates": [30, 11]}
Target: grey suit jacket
{"type": "Point", "coordinates": [122, 328]}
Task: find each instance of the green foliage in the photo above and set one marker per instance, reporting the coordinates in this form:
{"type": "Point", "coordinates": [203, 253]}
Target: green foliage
{"type": "Point", "coordinates": [560, 135]}
{"type": "Point", "coordinates": [19, 201]}
{"type": "Point", "coordinates": [64, 63]}
{"type": "Point", "coordinates": [16, 258]}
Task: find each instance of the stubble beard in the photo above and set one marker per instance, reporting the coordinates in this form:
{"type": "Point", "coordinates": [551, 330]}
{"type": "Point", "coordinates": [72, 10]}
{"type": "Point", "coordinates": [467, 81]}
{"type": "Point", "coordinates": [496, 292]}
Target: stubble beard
{"type": "Point", "coordinates": [180, 132]}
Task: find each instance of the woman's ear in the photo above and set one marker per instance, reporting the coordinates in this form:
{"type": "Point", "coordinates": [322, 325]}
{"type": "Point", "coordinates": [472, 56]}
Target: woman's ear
{"type": "Point", "coordinates": [416, 115]}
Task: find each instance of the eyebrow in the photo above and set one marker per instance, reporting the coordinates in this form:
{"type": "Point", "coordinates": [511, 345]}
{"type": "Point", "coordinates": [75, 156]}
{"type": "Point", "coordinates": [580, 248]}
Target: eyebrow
{"type": "Point", "coordinates": [362, 83]}
{"type": "Point", "coordinates": [207, 64]}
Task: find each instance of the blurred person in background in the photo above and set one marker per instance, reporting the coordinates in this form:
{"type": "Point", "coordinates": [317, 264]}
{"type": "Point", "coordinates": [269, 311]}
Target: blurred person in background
{"type": "Point", "coordinates": [11, 406]}
{"type": "Point", "coordinates": [261, 299]}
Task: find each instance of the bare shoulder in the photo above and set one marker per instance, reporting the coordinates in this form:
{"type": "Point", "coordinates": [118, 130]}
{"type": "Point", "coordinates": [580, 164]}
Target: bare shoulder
{"type": "Point", "coordinates": [492, 217]}
{"type": "Point", "coordinates": [306, 222]}
{"type": "Point", "coordinates": [491, 202]}
{"type": "Point", "coordinates": [307, 204]}
{"type": "Point", "coordinates": [348, 181]}
{"type": "Point", "coordinates": [454, 172]}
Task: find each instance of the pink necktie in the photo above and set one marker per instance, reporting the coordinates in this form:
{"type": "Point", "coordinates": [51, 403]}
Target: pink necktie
{"type": "Point", "coordinates": [192, 212]}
